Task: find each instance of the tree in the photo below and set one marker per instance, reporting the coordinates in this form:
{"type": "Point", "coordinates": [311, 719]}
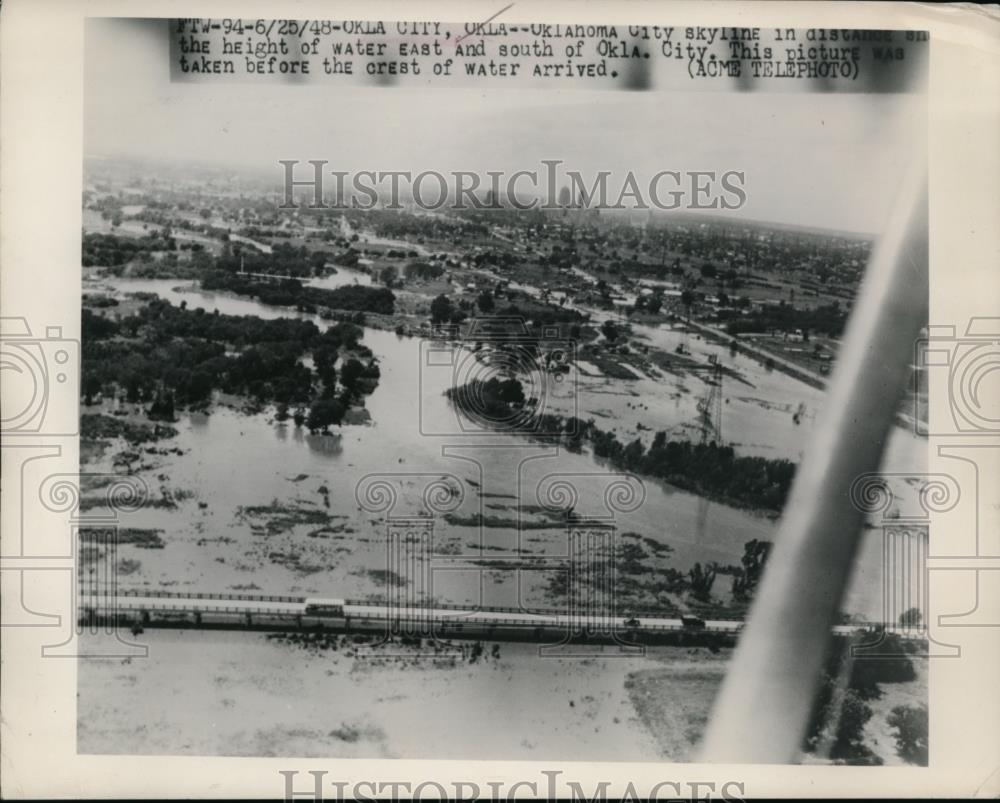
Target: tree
{"type": "Point", "coordinates": [910, 724]}
{"type": "Point", "coordinates": [745, 581]}
{"type": "Point", "coordinates": [91, 387]}
{"type": "Point", "coordinates": [687, 299]}
{"type": "Point", "coordinates": [702, 580]}
{"type": "Point", "coordinates": [848, 714]}
{"type": "Point", "coordinates": [162, 406]}
{"type": "Point", "coordinates": [632, 455]}
{"type": "Point", "coordinates": [509, 391]}
{"type": "Point", "coordinates": [352, 371]}
{"type": "Point", "coordinates": [441, 309]}
{"type": "Point", "coordinates": [317, 261]}
{"type": "Point", "coordinates": [910, 618]}
{"type": "Point", "coordinates": [610, 331]}
{"type": "Point", "coordinates": [324, 359]}
{"type": "Point", "coordinates": [198, 388]}
{"type": "Point", "coordinates": [854, 715]}
{"type": "Point", "coordinates": [388, 276]}
{"type": "Point", "coordinates": [323, 413]}
{"type": "Point", "coordinates": [485, 301]}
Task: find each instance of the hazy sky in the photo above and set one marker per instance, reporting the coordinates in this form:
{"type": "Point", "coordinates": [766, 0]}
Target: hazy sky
{"type": "Point", "coordinates": [827, 160]}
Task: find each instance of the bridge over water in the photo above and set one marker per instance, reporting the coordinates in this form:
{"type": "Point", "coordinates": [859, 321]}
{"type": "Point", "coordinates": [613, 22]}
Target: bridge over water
{"type": "Point", "coordinates": [285, 613]}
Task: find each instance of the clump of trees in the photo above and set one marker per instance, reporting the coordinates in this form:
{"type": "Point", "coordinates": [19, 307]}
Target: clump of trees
{"type": "Point", "coordinates": [285, 259]}
{"type": "Point", "coordinates": [828, 319]}
{"type": "Point", "coordinates": [162, 408]}
{"type": "Point", "coordinates": [493, 399]}
{"type": "Point", "coordinates": [651, 304]}
{"type": "Point", "coordinates": [841, 710]}
{"type": "Point", "coordinates": [910, 725]}
{"type": "Point", "coordinates": [539, 313]}
{"type": "Point", "coordinates": [389, 276]}
{"type": "Point", "coordinates": [292, 293]}
{"type": "Point", "coordinates": [169, 357]}
{"type": "Point", "coordinates": [444, 311]}
{"type": "Point", "coordinates": [112, 250]}
{"type": "Point", "coordinates": [324, 413]}
{"type": "Point", "coordinates": [485, 302]}
{"type": "Point", "coordinates": [423, 270]}
{"type": "Point", "coordinates": [701, 579]}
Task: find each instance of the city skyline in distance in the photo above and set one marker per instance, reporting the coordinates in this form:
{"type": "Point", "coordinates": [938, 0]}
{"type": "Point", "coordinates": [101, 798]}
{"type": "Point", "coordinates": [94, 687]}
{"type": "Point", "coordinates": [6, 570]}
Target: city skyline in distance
{"type": "Point", "coordinates": [818, 160]}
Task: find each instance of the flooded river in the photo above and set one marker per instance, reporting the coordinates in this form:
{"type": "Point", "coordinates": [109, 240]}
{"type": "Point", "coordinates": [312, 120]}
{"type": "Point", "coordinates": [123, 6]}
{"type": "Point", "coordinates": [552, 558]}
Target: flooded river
{"type": "Point", "coordinates": [265, 506]}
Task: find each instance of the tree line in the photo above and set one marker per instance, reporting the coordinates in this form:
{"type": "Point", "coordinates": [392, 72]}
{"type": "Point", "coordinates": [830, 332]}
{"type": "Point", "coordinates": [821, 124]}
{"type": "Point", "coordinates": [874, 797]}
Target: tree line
{"type": "Point", "coordinates": [112, 250]}
{"type": "Point", "coordinates": [707, 469]}
{"type": "Point", "coordinates": [292, 293]}
{"type": "Point", "coordinates": [828, 319]}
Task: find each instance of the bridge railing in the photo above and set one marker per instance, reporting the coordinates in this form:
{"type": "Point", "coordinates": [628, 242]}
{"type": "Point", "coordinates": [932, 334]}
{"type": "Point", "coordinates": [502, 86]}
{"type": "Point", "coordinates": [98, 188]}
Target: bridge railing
{"type": "Point", "coordinates": [197, 595]}
{"type": "Point", "coordinates": [445, 625]}
{"type": "Point", "coordinates": [165, 607]}
{"type": "Point", "coordinates": [624, 614]}
{"type": "Point", "coordinates": [642, 616]}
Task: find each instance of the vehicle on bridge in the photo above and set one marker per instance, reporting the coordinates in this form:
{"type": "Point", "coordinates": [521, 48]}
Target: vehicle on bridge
{"type": "Point", "coordinates": [318, 606]}
{"type": "Point", "coordinates": [693, 623]}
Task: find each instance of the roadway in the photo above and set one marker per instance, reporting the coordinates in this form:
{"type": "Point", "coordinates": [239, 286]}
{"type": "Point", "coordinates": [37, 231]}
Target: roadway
{"type": "Point", "coordinates": [169, 605]}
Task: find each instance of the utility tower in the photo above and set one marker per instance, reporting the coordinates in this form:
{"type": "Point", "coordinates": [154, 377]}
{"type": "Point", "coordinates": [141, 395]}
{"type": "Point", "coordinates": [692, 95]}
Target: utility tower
{"type": "Point", "coordinates": [710, 406]}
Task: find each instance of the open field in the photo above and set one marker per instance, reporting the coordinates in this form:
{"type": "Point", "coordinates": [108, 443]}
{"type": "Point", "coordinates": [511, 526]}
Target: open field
{"type": "Point", "coordinates": [194, 694]}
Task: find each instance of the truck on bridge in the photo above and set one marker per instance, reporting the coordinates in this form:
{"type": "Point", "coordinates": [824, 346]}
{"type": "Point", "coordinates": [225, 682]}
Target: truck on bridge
{"type": "Point", "coordinates": [318, 606]}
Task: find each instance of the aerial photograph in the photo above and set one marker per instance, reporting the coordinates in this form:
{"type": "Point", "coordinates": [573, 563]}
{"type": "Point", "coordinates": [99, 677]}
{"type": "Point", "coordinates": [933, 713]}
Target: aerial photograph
{"type": "Point", "coordinates": [395, 476]}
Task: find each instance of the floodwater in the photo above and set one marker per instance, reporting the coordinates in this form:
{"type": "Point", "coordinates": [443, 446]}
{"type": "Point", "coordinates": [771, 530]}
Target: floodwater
{"type": "Point", "coordinates": [231, 461]}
